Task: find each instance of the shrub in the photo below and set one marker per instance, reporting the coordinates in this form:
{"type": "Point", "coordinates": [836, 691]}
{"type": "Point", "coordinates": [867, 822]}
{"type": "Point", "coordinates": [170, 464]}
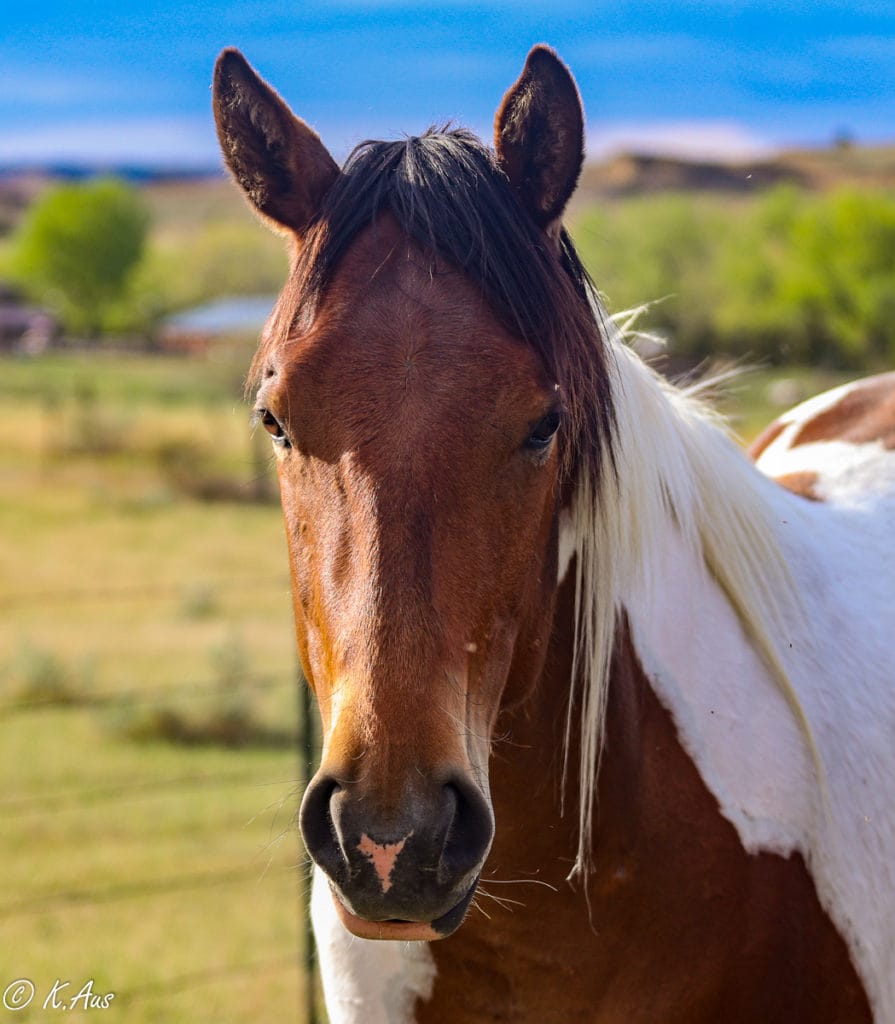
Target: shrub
{"type": "Point", "coordinates": [787, 276]}
{"type": "Point", "coordinates": [77, 247]}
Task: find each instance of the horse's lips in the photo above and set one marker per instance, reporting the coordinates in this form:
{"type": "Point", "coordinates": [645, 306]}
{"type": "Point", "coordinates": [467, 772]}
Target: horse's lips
{"type": "Point", "coordinates": [405, 931]}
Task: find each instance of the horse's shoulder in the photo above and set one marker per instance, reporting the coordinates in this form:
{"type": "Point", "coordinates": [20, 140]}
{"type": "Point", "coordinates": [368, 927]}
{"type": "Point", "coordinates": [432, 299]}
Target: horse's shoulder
{"type": "Point", "coordinates": [831, 435]}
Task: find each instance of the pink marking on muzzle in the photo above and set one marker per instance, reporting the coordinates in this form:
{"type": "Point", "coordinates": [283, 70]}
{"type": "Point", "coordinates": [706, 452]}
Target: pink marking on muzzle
{"type": "Point", "coordinates": [382, 856]}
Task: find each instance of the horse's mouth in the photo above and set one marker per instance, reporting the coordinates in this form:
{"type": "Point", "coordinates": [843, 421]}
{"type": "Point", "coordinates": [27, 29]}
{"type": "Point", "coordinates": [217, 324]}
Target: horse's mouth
{"type": "Point", "coordinates": [405, 931]}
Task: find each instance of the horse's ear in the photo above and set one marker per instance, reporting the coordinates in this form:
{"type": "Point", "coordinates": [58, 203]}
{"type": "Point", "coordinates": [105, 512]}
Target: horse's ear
{"type": "Point", "coordinates": [278, 161]}
{"type": "Point", "coordinates": [539, 136]}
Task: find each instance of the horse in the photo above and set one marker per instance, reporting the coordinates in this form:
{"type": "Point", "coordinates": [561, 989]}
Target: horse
{"type": "Point", "coordinates": [607, 707]}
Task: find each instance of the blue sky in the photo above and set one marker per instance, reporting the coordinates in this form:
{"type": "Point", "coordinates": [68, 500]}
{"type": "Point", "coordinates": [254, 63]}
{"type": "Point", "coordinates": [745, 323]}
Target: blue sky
{"type": "Point", "coordinates": [105, 80]}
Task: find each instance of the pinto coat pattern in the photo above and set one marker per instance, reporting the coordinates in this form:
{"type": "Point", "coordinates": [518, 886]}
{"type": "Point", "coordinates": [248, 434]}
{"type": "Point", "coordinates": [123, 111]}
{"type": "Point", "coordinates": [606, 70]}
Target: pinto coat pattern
{"type": "Point", "coordinates": [606, 709]}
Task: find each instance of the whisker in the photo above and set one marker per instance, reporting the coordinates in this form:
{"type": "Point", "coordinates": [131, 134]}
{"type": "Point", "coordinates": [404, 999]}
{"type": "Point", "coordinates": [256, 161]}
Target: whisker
{"type": "Point", "coordinates": [478, 907]}
{"type": "Point", "coordinates": [521, 881]}
{"type": "Point", "coordinates": [466, 730]}
{"type": "Point", "coordinates": [501, 901]}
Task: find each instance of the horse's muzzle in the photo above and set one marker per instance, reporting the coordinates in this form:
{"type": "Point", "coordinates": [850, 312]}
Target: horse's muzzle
{"type": "Point", "coordinates": [409, 874]}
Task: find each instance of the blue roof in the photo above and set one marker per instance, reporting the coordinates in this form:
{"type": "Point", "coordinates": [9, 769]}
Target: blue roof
{"type": "Point", "coordinates": [223, 316]}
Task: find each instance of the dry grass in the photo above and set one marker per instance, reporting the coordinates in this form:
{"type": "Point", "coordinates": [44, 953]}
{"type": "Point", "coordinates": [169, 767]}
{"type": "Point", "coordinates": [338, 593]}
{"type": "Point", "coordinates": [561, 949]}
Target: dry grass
{"type": "Point", "coordinates": [167, 873]}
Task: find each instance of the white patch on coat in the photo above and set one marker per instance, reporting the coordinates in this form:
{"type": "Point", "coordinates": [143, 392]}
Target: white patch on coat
{"type": "Point", "coordinates": [847, 474]}
{"type": "Point", "coordinates": [734, 721]}
{"type": "Point", "coordinates": [365, 981]}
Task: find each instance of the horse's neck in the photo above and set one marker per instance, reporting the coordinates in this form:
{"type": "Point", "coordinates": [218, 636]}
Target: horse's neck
{"type": "Point", "coordinates": [531, 768]}
{"type": "Point", "coordinates": [679, 645]}
{"type": "Point", "coordinates": [741, 733]}
{"type": "Point", "coordinates": [660, 844]}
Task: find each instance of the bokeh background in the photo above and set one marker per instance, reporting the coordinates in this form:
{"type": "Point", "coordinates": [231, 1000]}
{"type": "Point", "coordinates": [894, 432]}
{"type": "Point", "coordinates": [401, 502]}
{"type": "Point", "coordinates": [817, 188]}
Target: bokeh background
{"type": "Point", "coordinates": [153, 746]}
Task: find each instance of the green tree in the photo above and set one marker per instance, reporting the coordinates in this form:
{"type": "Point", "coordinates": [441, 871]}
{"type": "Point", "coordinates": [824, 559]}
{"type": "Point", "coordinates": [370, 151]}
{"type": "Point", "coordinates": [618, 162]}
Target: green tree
{"type": "Point", "coordinates": [755, 316]}
{"type": "Point", "coordinates": [76, 248]}
{"type": "Point", "coordinates": [660, 249]}
{"type": "Point", "coordinates": [846, 286]}
{"type": "Point", "coordinates": [812, 279]}
{"type": "Point", "coordinates": [785, 275]}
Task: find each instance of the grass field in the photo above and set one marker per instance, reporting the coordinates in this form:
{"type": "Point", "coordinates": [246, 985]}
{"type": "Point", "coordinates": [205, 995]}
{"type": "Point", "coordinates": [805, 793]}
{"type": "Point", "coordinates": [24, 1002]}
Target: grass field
{"type": "Point", "coordinates": [165, 871]}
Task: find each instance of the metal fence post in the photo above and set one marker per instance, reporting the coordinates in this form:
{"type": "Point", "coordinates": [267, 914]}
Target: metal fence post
{"type": "Point", "coordinates": [307, 756]}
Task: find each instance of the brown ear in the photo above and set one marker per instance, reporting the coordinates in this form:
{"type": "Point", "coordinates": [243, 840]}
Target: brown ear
{"type": "Point", "coordinates": [539, 136]}
{"type": "Point", "coordinates": [278, 161]}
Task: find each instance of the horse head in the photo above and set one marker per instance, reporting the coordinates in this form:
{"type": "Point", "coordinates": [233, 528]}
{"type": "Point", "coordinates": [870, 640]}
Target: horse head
{"type": "Point", "coordinates": [425, 431]}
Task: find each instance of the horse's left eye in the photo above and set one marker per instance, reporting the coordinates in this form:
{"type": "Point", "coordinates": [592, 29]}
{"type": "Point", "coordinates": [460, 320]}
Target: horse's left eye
{"type": "Point", "coordinates": [272, 425]}
{"type": "Point", "coordinates": [543, 431]}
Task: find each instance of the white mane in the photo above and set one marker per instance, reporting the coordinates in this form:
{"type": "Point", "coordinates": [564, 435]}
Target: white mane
{"type": "Point", "coordinates": [674, 460]}
{"type": "Point", "coordinates": [764, 624]}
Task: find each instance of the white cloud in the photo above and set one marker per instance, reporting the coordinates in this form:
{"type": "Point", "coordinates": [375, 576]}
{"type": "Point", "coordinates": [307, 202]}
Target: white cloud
{"type": "Point", "coordinates": [157, 142]}
{"type": "Point", "coordinates": [190, 141]}
{"type": "Point", "coordinates": [694, 140]}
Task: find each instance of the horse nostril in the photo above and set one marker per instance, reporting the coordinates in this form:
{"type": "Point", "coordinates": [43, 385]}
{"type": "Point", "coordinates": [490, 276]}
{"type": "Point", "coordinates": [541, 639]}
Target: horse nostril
{"type": "Point", "coordinates": [317, 829]}
{"type": "Point", "coordinates": [402, 864]}
{"type": "Point", "coordinates": [471, 830]}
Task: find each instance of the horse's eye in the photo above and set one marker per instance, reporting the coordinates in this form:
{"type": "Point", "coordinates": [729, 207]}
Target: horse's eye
{"type": "Point", "coordinates": [543, 431]}
{"type": "Point", "coordinates": [272, 425]}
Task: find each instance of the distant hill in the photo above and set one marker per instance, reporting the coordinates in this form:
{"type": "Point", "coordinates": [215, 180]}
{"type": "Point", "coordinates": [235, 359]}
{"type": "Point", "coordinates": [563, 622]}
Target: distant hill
{"type": "Point", "coordinates": [815, 169]}
{"type": "Point", "coordinates": [135, 173]}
